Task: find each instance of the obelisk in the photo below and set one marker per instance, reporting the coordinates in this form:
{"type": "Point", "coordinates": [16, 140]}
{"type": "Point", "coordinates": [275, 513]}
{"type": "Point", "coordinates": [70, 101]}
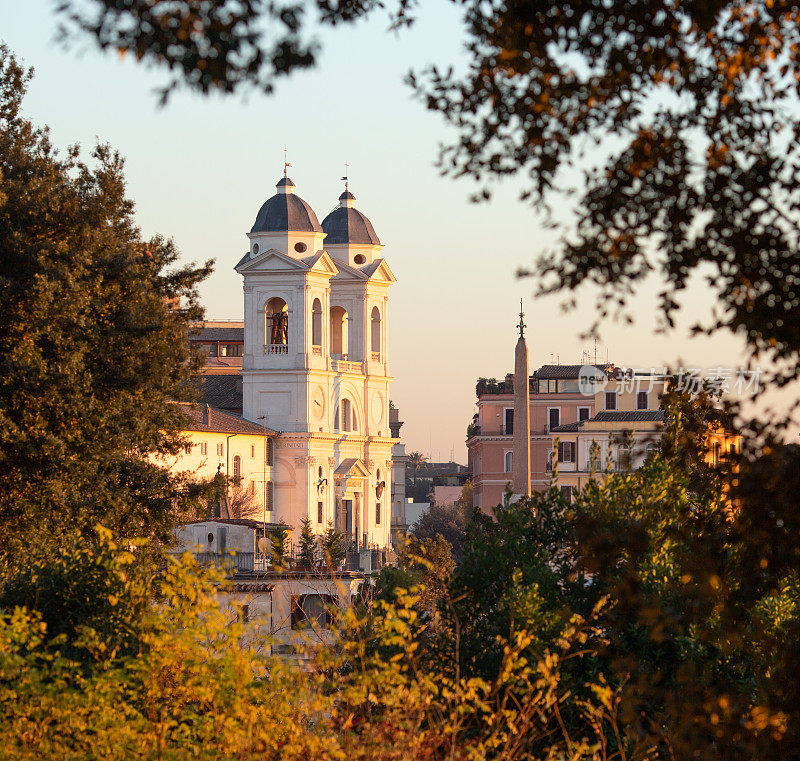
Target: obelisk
{"type": "Point", "coordinates": [522, 416]}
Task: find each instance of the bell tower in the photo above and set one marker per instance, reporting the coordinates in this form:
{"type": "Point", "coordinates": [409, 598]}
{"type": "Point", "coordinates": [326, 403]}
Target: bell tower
{"type": "Point", "coordinates": [315, 364]}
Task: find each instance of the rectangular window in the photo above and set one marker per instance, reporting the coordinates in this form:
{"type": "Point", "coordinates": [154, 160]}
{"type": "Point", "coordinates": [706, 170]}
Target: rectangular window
{"type": "Point", "coordinates": [553, 418]}
{"type": "Point", "coordinates": [270, 496]}
{"type": "Point", "coordinates": [566, 451]}
{"type": "Point", "coordinates": [188, 448]}
{"type": "Point", "coordinates": [583, 413]}
{"type": "Point", "coordinates": [508, 428]}
{"type": "Point", "coordinates": [319, 512]}
{"type": "Point", "coordinates": [245, 614]}
{"type": "Point", "coordinates": [252, 451]}
{"type": "Point", "coordinates": [220, 449]}
{"type": "Point", "coordinates": [611, 400]}
{"type": "Point", "coordinates": [204, 447]}
{"type": "Point", "coordinates": [641, 400]}
{"type": "Point", "coordinates": [377, 513]}
{"type": "Point", "coordinates": [566, 493]}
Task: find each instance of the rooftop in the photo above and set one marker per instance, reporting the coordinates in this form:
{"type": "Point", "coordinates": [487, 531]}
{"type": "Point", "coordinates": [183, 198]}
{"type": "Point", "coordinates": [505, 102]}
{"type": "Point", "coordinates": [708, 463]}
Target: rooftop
{"type": "Point", "coordinates": [202, 417]}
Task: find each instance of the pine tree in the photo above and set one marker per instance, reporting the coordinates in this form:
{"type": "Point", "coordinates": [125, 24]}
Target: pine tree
{"type": "Point", "coordinates": [333, 546]}
{"type": "Point", "coordinates": [308, 544]}
{"type": "Point", "coordinates": [93, 348]}
{"type": "Point", "coordinates": [278, 537]}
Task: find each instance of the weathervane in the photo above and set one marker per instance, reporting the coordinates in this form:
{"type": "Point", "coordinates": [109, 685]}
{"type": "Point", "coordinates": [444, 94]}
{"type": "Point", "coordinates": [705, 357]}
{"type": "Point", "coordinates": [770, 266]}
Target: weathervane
{"type": "Point", "coordinates": [286, 164]}
{"type": "Point", "coordinates": [522, 324]}
{"type": "Point", "coordinates": [345, 178]}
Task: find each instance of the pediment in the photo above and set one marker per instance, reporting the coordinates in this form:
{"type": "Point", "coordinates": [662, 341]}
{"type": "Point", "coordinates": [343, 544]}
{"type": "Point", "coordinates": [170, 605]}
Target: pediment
{"type": "Point", "coordinates": [271, 261]}
{"type": "Point", "coordinates": [379, 270]}
{"type": "Point", "coordinates": [322, 262]}
{"type": "Point", "coordinates": [346, 272]}
{"type": "Point", "coordinates": [352, 468]}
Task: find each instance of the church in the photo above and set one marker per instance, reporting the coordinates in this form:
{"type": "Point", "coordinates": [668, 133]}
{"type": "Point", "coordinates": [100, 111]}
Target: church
{"type": "Point", "coordinates": [314, 368]}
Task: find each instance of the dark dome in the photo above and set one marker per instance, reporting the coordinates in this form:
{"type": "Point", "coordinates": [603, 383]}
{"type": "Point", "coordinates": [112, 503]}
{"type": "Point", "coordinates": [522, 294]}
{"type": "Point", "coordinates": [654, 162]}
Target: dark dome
{"type": "Point", "coordinates": [348, 225]}
{"type": "Point", "coordinates": [286, 212]}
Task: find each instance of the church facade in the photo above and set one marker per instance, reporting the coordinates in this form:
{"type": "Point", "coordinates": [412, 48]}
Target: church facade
{"type": "Point", "coordinates": [315, 364]}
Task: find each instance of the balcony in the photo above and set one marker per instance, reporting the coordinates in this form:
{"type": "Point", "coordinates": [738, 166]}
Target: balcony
{"type": "Point", "coordinates": [316, 351]}
{"type": "Point", "coordinates": [276, 349]}
{"type": "Point", "coordinates": [376, 356]}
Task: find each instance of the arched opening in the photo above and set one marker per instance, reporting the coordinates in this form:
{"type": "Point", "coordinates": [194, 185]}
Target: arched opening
{"type": "Point", "coordinates": [276, 325]}
{"type": "Point", "coordinates": [316, 323]}
{"type": "Point", "coordinates": [509, 462]}
{"type": "Point", "coordinates": [320, 472]}
{"type": "Point", "coordinates": [346, 414]}
{"type": "Point", "coordinates": [376, 333]}
{"type": "Point", "coordinates": [339, 332]}
{"type": "Point", "coordinates": [237, 471]}
{"type": "Point", "coordinates": [336, 420]}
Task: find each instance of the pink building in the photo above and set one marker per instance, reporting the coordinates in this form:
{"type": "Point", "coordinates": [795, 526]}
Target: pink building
{"type": "Point", "coordinates": [555, 400]}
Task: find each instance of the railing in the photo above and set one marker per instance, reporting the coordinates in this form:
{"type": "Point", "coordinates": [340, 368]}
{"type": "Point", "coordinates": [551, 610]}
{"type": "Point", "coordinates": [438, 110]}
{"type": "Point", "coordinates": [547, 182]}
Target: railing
{"type": "Point", "coordinates": [316, 351]}
{"type": "Point", "coordinates": [376, 356]}
{"type": "Point", "coordinates": [276, 349]}
{"type": "Point", "coordinates": [240, 562]}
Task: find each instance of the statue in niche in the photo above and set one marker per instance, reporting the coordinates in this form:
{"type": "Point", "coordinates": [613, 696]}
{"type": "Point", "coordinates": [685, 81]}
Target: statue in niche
{"type": "Point", "coordinates": [279, 330]}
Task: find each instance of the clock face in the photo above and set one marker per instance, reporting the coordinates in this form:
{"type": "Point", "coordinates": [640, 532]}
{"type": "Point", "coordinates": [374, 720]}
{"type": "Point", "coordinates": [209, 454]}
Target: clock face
{"type": "Point", "coordinates": [377, 408]}
{"type": "Point", "coordinates": [318, 403]}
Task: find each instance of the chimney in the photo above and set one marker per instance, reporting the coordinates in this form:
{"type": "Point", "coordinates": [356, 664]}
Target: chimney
{"type": "Point", "coordinates": [206, 415]}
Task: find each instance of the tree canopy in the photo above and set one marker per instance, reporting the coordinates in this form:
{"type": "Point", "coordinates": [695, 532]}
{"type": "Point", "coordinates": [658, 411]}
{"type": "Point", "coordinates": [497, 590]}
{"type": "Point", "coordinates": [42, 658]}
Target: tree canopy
{"type": "Point", "coordinates": [93, 344]}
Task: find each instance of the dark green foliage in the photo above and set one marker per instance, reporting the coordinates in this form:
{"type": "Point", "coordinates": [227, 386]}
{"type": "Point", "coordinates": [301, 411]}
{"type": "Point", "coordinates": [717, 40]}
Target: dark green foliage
{"type": "Point", "coordinates": [518, 574]}
{"type": "Point", "coordinates": [78, 587]}
{"type": "Point", "coordinates": [333, 546]}
{"type": "Point", "coordinates": [447, 521]}
{"type": "Point", "coordinates": [279, 537]}
{"type": "Point", "coordinates": [91, 352]}
{"type": "Point", "coordinates": [307, 547]}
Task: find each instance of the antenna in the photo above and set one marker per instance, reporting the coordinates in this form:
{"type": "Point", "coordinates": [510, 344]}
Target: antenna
{"type": "Point", "coordinates": [595, 349]}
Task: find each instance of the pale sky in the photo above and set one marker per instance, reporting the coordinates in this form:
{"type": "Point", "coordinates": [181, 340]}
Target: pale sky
{"type": "Point", "coordinates": [199, 169]}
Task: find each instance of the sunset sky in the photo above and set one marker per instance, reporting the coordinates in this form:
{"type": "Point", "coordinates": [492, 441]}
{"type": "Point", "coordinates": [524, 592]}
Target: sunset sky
{"type": "Point", "coordinates": [198, 170]}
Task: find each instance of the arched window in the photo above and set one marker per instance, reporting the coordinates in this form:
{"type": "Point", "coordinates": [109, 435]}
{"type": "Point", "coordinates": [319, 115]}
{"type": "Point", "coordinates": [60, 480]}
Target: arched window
{"type": "Point", "coordinates": [316, 323]}
{"type": "Point", "coordinates": [237, 470]}
{"type": "Point", "coordinates": [276, 324]}
{"type": "Point", "coordinates": [339, 332]}
{"type": "Point", "coordinates": [320, 472]}
{"type": "Point", "coordinates": [346, 414]}
{"type": "Point", "coordinates": [378, 475]}
{"type": "Point", "coordinates": [509, 462]}
{"type": "Point", "coordinates": [376, 333]}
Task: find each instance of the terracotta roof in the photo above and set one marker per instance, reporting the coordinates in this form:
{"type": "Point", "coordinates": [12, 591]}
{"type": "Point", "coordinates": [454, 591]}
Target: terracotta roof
{"type": "Point", "coordinates": [558, 372]}
{"type": "Point", "coordinates": [630, 416]}
{"type": "Point", "coordinates": [248, 522]}
{"type": "Point", "coordinates": [222, 391]}
{"type": "Point", "coordinates": [204, 418]}
{"type": "Point", "coordinates": [218, 334]}
{"type": "Point", "coordinates": [614, 416]}
{"type": "Point", "coordinates": [567, 428]}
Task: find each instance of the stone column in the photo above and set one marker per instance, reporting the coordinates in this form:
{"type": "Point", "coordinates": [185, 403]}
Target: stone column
{"type": "Point", "coordinates": [522, 422]}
